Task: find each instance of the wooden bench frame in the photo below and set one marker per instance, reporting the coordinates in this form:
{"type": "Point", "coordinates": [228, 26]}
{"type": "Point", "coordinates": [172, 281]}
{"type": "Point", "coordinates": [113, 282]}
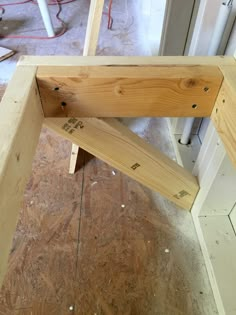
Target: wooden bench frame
{"type": "Point", "coordinates": [170, 85]}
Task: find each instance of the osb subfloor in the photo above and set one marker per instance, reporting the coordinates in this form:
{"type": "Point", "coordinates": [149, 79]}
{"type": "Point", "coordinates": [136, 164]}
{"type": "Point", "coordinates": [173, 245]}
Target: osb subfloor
{"type": "Point", "coordinates": [75, 244]}
{"type": "Point", "coordinates": [98, 242]}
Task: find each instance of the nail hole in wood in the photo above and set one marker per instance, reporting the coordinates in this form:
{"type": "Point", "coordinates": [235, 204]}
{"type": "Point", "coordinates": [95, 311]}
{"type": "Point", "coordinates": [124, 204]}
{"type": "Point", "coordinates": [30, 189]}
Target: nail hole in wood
{"type": "Point", "coordinates": [63, 104]}
{"type": "Point", "coordinates": [56, 88]}
{"type": "Point", "coordinates": [18, 157]}
{"type": "Point", "coordinates": [206, 88]}
{"type": "Point", "coordinates": [194, 106]}
{"type": "Point", "coordinates": [223, 101]}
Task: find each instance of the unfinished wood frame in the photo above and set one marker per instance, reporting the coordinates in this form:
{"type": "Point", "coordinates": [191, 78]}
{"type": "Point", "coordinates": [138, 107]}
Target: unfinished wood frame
{"type": "Point", "coordinates": [70, 94]}
{"type": "Point", "coordinates": [215, 203]}
{"type": "Point", "coordinates": [90, 46]}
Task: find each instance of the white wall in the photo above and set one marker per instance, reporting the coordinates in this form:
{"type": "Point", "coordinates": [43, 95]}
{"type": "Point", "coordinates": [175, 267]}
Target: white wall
{"type": "Point", "coordinates": [151, 16]}
{"type": "Point", "coordinates": [231, 47]}
{"type": "Point", "coordinates": [204, 27]}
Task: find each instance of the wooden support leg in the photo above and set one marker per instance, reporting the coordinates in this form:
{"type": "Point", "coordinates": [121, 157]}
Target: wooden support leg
{"type": "Point", "coordinates": [93, 27]}
{"type": "Point", "coordinates": [90, 45]}
{"type": "Point", "coordinates": [118, 146]}
{"type": "Point", "coordinates": [21, 120]}
{"type": "Point", "coordinates": [224, 112]}
{"type": "Point", "coordinates": [73, 158]}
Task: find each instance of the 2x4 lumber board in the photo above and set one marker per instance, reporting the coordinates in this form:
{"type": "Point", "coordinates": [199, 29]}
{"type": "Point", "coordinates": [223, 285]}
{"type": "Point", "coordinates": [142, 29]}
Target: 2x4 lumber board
{"type": "Point", "coordinates": [73, 158]}
{"type": "Point", "coordinates": [5, 53]}
{"type": "Point", "coordinates": [115, 144]}
{"type": "Point", "coordinates": [125, 60]}
{"type": "Point", "coordinates": [224, 112]}
{"type": "Point", "coordinates": [164, 91]}
{"type": "Point", "coordinates": [21, 120]}
{"type": "Point", "coordinates": [90, 45]}
{"type": "Point", "coordinates": [93, 27]}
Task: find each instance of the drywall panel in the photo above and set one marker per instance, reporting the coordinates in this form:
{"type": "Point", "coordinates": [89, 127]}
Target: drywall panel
{"type": "Point", "coordinates": [222, 195]}
{"type": "Point", "coordinates": [221, 244]}
{"type": "Point", "coordinates": [233, 217]}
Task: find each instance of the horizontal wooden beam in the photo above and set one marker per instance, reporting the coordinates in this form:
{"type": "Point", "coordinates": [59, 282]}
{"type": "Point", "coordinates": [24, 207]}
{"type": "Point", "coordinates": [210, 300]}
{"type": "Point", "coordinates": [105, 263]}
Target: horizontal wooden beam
{"type": "Point", "coordinates": [224, 112]}
{"type": "Point", "coordinates": [125, 60]}
{"type": "Point", "coordinates": [21, 120]}
{"type": "Point", "coordinates": [115, 144]}
{"type": "Point", "coordinates": [163, 91]}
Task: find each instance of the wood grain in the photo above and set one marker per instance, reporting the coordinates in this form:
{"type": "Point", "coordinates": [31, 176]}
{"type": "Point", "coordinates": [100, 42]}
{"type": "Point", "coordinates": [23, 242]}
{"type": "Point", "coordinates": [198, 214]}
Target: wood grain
{"type": "Point", "coordinates": [224, 112]}
{"type": "Point", "coordinates": [93, 27]}
{"type": "Point", "coordinates": [125, 60]}
{"type": "Point", "coordinates": [128, 91]}
{"type": "Point", "coordinates": [20, 125]}
{"type": "Point", "coordinates": [90, 46]}
{"type": "Point", "coordinates": [118, 146]}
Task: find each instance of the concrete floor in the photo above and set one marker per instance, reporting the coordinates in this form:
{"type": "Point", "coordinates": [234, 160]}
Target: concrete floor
{"type": "Point", "coordinates": [125, 39]}
{"type": "Point", "coordinates": [76, 250]}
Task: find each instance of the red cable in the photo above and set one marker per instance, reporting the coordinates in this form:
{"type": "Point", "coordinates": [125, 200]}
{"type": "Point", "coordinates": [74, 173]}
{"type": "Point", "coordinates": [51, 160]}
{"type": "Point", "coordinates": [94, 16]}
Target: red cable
{"type": "Point", "coordinates": [22, 2]}
{"type": "Point", "coordinates": [35, 2]}
{"type": "Point", "coordinates": [64, 29]}
{"type": "Point", "coordinates": [110, 20]}
{"type": "Point", "coordinates": [56, 2]}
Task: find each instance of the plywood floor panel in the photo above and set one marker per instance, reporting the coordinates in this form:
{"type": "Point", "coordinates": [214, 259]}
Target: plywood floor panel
{"type": "Point", "coordinates": [134, 277]}
{"type": "Point", "coordinates": [135, 260]}
{"type": "Point", "coordinates": [117, 207]}
{"type": "Point", "coordinates": [36, 309]}
{"type": "Point", "coordinates": [42, 264]}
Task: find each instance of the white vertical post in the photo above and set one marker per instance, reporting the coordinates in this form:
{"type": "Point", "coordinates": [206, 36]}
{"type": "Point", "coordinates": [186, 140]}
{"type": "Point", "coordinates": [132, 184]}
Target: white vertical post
{"type": "Point", "coordinates": [219, 28]}
{"type": "Point", "coordinates": [185, 138]}
{"type": "Point", "coordinates": [43, 6]}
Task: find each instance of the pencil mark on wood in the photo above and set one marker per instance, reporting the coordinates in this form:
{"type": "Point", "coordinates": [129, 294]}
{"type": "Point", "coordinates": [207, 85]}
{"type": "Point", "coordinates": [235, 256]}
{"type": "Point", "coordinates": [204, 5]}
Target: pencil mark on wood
{"type": "Point", "coordinates": [136, 165]}
{"type": "Point", "coordinates": [181, 194]}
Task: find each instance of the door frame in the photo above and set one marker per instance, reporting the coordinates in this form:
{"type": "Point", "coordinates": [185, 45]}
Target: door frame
{"type": "Point", "coordinates": [177, 26]}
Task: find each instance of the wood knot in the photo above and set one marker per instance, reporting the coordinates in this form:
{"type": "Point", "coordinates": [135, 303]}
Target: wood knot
{"type": "Point", "coordinates": [189, 83]}
{"type": "Point", "coordinates": [118, 90]}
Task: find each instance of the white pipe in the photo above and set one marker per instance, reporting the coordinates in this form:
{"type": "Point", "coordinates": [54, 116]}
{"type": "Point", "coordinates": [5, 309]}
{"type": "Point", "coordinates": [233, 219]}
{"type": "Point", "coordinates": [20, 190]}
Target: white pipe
{"type": "Point", "coordinates": [213, 48]}
{"type": "Point", "coordinates": [219, 29]}
{"type": "Point", "coordinates": [188, 126]}
{"type": "Point", "coordinates": [43, 6]}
